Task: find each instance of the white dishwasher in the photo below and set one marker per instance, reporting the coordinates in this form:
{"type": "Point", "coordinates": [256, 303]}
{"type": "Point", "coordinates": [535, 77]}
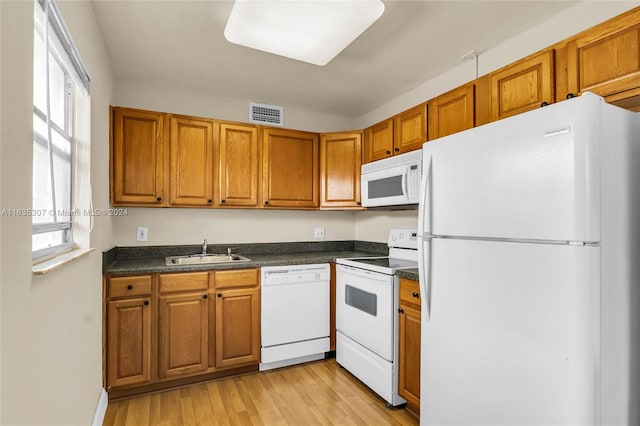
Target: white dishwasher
{"type": "Point", "coordinates": [294, 314]}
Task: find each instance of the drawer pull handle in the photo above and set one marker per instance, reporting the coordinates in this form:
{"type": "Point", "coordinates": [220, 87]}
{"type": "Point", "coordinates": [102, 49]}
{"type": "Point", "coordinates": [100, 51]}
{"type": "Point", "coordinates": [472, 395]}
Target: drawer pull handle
{"type": "Point", "coordinates": [416, 295]}
{"type": "Point", "coordinates": [129, 287]}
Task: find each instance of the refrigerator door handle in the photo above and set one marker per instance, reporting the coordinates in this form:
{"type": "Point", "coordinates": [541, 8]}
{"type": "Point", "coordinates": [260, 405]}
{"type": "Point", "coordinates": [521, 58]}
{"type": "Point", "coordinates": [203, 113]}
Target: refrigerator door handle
{"type": "Point", "coordinates": [424, 275]}
{"type": "Point", "coordinates": [424, 207]}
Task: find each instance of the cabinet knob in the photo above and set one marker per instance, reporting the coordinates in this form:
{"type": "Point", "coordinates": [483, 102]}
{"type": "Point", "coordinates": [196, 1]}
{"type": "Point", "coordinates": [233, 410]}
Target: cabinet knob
{"type": "Point", "coordinates": [266, 203]}
{"type": "Point", "coordinates": [223, 201]}
{"type": "Point", "coordinates": [146, 303]}
{"type": "Point", "coordinates": [219, 294]}
{"type": "Point", "coordinates": [159, 199]}
{"type": "Point", "coordinates": [359, 203]}
{"type": "Point", "coordinates": [397, 150]}
{"type": "Point", "coordinates": [129, 287]}
{"type": "Point", "coordinates": [570, 95]}
{"type": "Point", "coordinates": [205, 296]}
{"type": "Point", "coordinates": [400, 310]}
{"type": "Point", "coordinates": [209, 201]}
{"type": "Point", "coordinates": [544, 104]}
{"type": "Point", "coordinates": [388, 152]}
{"type": "Point", "coordinates": [416, 295]}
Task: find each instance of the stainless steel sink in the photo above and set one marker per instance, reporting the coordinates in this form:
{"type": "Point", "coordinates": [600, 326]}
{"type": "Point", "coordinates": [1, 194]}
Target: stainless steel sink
{"type": "Point", "coordinates": [198, 259]}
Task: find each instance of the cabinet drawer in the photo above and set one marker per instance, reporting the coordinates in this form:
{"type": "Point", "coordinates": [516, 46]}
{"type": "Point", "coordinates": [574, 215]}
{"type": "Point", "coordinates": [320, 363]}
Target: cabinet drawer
{"type": "Point", "coordinates": [237, 278]}
{"type": "Point", "coordinates": [130, 286]}
{"type": "Point", "coordinates": [171, 283]}
{"type": "Point", "coordinates": [410, 292]}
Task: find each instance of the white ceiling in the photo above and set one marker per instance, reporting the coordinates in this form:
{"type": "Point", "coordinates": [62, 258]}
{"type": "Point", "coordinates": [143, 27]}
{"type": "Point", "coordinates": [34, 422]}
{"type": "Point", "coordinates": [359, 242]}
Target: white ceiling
{"type": "Point", "coordinates": [180, 44]}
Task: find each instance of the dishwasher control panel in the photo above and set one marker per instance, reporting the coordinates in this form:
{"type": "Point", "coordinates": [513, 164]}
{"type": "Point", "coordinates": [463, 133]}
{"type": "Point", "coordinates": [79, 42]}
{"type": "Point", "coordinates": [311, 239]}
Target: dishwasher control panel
{"type": "Point", "coordinates": [295, 274]}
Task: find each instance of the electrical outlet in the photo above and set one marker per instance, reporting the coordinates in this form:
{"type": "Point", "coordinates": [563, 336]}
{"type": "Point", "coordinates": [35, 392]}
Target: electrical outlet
{"type": "Point", "coordinates": [142, 234]}
{"type": "Point", "coordinates": [318, 232]}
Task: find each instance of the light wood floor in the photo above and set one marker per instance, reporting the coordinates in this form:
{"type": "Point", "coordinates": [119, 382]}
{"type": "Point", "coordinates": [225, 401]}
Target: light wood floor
{"type": "Point", "coordinates": [316, 393]}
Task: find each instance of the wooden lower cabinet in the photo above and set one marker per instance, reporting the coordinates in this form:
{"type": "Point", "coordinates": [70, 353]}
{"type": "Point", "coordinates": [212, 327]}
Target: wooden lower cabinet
{"type": "Point", "coordinates": [183, 339]}
{"type": "Point", "coordinates": [164, 329]}
{"type": "Point", "coordinates": [237, 327]}
{"type": "Point", "coordinates": [409, 344]}
{"type": "Point", "coordinates": [129, 337]}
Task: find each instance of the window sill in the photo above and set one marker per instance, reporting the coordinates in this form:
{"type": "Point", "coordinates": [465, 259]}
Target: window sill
{"type": "Point", "coordinates": [49, 265]}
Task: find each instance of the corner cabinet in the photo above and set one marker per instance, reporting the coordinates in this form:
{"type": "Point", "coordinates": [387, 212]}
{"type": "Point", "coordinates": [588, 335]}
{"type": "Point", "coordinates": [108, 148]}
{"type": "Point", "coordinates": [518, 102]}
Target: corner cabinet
{"type": "Point", "coordinates": [409, 342]}
{"type": "Point", "coordinates": [290, 162]}
{"type": "Point", "coordinates": [191, 162]}
{"type": "Point", "coordinates": [238, 165]}
{"type": "Point", "coordinates": [138, 157]}
{"type": "Point", "coordinates": [340, 162]}
{"type": "Point", "coordinates": [522, 86]}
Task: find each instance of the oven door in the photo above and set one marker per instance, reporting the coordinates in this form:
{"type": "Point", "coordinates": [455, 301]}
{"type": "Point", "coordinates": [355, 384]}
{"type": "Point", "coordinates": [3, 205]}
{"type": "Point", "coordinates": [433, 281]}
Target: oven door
{"type": "Point", "coordinates": [365, 308]}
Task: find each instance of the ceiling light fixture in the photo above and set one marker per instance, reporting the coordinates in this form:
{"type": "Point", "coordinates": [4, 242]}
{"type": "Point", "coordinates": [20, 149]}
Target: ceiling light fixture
{"type": "Point", "coordinates": [312, 31]}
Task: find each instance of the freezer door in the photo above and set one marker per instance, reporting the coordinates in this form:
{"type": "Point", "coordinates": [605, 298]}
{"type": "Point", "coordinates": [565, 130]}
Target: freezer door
{"type": "Point", "coordinates": [532, 176]}
{"type": "Point", "coordinates": [513, 335]}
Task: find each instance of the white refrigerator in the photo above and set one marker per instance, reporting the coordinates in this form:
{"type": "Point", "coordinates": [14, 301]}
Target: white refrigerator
{"type": "Point", "coordinates": [529, 257]}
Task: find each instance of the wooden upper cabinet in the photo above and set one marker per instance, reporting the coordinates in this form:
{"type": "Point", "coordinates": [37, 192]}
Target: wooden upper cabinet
{"type": "Point", "coordinates": [137, 157]}
{"type": "Point", "coordinates": [606, 59]}
{"type": "Point", "coordinates": [378, 141]}
{"type": "Point", "coordinates": [191, 162]}
{"type": "Point", "coordinates": [410, 129]}
{"type": "Point", "coordinates": [522, 86]}
{"type": "Point", "coordinates": [290, 168]}
{"type": "Point", "coordinates": [452, 112]}
{"type": "Point", "coordinates": [238, 165]}
{"type": "Point", "coordinates": [340, 161]}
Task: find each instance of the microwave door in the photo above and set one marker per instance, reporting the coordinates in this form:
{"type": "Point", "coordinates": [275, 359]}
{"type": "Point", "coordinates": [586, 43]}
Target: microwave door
{"type": "Point", "coordinates": [385, 187]}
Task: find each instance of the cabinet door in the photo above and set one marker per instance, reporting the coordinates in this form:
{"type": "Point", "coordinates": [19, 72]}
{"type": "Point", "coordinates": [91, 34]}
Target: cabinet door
{"type": "Point", "coordinates": [237, 327]}
{"type": "Point", "coordinates": [290, 168]}
{"type": "Point", "coordinates": [606, 59]}
{"type": "Point", "coordinates": [238, 165]}
{"type": "Point", "coordinates": [129, 342]}
{"type": "Point", "coordinates": [522, 86]}
{"type": "Point", "coordinates": [183, 335]}
{"type": "Point", "coordinates": [191, 162]}
{"type": "Point", "coordinates": [340, 161]}
{"type": "Point", "coordinates": [137, 157]}
{"type": "Point", "coordinates": [410, 129]}
{"type": "Point", "coordinates": [409, 357]}
{"type": "Point", "coordinates": [378, 141]}
{"type": "Point", "coordinates": [452, 112]}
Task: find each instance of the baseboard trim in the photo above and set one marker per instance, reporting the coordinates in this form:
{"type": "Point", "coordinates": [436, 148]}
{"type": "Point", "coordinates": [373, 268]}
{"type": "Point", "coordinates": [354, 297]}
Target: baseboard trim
{"type": "Point", "coordinates": [101, 409]}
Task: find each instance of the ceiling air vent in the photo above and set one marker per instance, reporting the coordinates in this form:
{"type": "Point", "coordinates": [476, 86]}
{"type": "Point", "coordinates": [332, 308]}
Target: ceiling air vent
{"type": "Point", "coordinates": [265, 114]}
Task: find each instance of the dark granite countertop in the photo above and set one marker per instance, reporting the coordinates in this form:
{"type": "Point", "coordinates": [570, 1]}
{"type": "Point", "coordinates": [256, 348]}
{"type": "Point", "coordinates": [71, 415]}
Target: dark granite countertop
{"type": "Point", "coordinates": [157, 264]}
{"type": "Point", "coordinates": [410, 274]}
{"type": "Point", "coordinates": [151, 259]}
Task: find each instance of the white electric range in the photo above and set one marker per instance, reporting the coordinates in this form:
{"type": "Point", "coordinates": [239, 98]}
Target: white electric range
{"type": "Point", "coordinates": [367, 299]}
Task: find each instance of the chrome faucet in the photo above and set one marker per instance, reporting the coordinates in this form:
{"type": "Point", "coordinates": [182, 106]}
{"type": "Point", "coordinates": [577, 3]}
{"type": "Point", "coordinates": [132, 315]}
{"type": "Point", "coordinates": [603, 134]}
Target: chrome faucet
{"type": "Point", "coordinates": [204, 247]}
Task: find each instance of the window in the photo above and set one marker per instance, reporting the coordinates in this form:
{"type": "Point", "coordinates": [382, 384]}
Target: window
{"type": "Point", "coordinates": [60, 129]}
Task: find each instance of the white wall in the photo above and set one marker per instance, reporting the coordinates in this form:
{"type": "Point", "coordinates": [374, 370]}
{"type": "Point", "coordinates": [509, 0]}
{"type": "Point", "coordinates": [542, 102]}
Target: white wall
{"type": "Point", "coordinates": [191, 226]}
{"type": "Point", "coordinates": [51, 325]}
{"type": "Point", "coordinates": [224, 108]}
{"type": "Point", "coordinates": [371, 225]}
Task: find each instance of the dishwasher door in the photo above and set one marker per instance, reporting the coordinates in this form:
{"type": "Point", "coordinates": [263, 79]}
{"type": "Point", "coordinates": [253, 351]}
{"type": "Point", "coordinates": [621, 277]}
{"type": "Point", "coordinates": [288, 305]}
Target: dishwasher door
{"type": "Point", "coordinates": [294, 312]}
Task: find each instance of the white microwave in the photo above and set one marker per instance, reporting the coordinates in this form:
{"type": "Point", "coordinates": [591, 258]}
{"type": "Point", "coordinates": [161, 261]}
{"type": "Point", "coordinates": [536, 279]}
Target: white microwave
{"type": "Point", "coordinates": [392, 181]}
